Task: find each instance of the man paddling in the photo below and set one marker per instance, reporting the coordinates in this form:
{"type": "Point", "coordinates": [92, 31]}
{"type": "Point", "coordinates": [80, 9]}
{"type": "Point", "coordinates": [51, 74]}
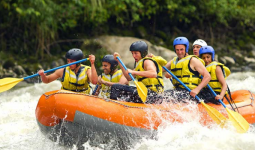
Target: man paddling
{"type": "Point", "coordinates": [187, 69]}
{"type": "Point", "coordinates": [75, 77]}
{"type": "Point", "coordinates": [110, 76]}
{"type": "Point", "coordinates": [147, 70]}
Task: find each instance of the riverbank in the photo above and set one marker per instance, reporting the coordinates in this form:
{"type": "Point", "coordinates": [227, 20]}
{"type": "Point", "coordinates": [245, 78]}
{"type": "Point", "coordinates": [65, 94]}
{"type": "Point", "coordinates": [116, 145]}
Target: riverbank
{"type": "Point", "coordinates": [15, 66]}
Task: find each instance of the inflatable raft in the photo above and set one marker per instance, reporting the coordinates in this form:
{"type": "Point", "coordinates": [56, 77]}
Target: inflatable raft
{"type": "Point", "coordinates": [86, 117]}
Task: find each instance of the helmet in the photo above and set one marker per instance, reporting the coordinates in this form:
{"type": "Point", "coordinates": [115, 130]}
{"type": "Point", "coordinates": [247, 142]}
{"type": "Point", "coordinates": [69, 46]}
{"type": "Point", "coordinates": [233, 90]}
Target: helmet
{"type": "Point", "coordinates": [206, 50]}
{"type": "Point", "coordinates": [110, 59]}
{"type": "Point", "coordinates": [182, 41]}
{"type": "Point", "coordinates": [140, 46]}
{"type": "Point", "coordinates": [74, 54]}
{"type": "Point", "coordinates": [200, 42]}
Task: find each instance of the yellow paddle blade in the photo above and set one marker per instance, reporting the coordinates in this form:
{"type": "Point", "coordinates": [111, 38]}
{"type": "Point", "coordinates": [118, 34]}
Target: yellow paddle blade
{"type": "Point", "coordinates": [238, 121]}
{"type": "Point", "coordinates": [142, 90]}
{"type": "Point", "coordinates": [215, 114]}
{"type": "Point", "coordinates": [8, 83]}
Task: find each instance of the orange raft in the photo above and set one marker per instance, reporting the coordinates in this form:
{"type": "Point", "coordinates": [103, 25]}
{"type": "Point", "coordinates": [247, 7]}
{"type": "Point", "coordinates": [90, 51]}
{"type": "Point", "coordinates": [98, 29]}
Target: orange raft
{"type": "Point", "coordinates": [81, 112]}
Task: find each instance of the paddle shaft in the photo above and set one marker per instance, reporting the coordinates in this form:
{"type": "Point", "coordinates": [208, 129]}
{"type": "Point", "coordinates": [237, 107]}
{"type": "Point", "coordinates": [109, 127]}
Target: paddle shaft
{"type": "Point", "coordinates": [94, 92]}
{"type": "Point", "coordinates": [215, 94]}
{"type": "Point", "coordinates": [181, 82]}
{"type": "Point", "coordinates": [126, 68]}
{"type": "Point", "coordinates": [34, 75]}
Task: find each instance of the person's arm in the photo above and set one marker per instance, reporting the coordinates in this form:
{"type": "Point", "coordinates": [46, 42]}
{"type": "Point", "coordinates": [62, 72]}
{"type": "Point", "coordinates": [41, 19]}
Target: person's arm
{"type": "Point", "coordinates": [92, 73]}
{"type": "Point", "coordinates": [150, 70]}
{"type": "Point", "coordinates": [123, 80]}
{"type": "Point", "coordinates": [197, 65]}
{"type": "Point", "coordinates": [167, 75]}
{"type": "Point", "coordinates": [168, 65]}
{"type": "Point", "coordinates": [125, 73]}
{"type": "Point", "coordinates": [52, 77]}
{"type": "Point", "coordinates": [222, 81]}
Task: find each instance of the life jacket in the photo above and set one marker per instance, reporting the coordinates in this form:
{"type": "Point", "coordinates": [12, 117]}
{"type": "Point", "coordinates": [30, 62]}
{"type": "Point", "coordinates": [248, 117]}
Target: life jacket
{"type": "Point", "coordinates": [199, 80]}
{"type": "Point", "coordinates": [76, 82]}
{"type": "Point", "coordinates": [214, 82]}
{"type": "Point", "coordinates": [154, 84]}
{"type": "Point", "coordinates": [106, 90]}
{"type": "Point", "coordinates": [181, 69]}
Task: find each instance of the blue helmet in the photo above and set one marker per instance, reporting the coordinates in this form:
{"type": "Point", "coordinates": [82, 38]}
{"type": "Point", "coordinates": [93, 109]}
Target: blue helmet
{"type": "Point", "coordinates": [207, 50]}
{"type": "Point", "coordinates": [182, 41]}
{"type": "Point", "coordinates": [110, 59]}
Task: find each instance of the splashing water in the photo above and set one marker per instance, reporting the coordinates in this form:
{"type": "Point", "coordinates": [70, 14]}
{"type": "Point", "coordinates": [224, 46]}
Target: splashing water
{"type": "Point", "coordinates": [19, 130]}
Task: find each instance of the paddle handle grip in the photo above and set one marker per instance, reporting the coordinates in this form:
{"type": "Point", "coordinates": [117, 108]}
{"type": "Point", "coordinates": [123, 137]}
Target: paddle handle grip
{"type": "Point", "coordinates": [180, 82]}
{"type": "Point", "coordinates": [126, 68]}
{"type": "Point", "coordinates": [94, 92]}
{"type": "Point", "coordinates": [214, 94]}
{"type": "Point", "coordinates": [76, 62]}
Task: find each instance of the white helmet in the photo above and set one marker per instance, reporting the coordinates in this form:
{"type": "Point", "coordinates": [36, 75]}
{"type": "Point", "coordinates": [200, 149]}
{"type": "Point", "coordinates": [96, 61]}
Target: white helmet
{"type": "Point", "coordinates": [200, 42]}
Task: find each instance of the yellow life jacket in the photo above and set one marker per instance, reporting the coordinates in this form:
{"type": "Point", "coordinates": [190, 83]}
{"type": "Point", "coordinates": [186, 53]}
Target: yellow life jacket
{"type": "Point", "coordinates": [105, 90]}
{"type": "Point", "coordinates": [214, 82]}
{"type": "Point", "coordinates": [199, 80]}
{"type": "Point", "coordinates": [182, 71]}
{"type": "Point", "coordinates": [154, 84]}
{"type": "Point", "coordinates": [77, 83]}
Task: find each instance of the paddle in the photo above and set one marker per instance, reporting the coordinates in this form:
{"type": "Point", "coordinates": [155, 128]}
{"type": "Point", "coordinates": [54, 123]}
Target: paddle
{"type": "Point", "coordinates": [94, 92]}
{"type": "Point", "coordinates": [213, 113]}
{"type": "Point", "coordinates": [8, 83]}
{"type": "Point", "coordinates": [237, 120]}
{"type": "Point", "coordinates": [141, 89]}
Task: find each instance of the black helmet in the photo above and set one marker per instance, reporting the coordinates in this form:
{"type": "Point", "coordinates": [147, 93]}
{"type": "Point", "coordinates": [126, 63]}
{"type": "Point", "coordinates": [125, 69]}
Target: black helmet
{"type": "Point", "coordinates": [74, 54]}
{"type": "Point", "coordinates": [110, 59]}
{"type": "Point", "coordinates": [140, 46]}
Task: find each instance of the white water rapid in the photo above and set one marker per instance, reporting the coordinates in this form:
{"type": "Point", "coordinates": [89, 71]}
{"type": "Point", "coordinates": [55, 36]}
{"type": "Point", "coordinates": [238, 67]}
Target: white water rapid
{"type": "Point", "coordinates": [19, 129]}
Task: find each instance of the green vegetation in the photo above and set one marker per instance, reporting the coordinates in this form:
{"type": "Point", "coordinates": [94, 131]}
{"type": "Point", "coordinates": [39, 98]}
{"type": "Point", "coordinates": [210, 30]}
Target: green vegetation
{"type": "Point", "coordinates": [37, 30]}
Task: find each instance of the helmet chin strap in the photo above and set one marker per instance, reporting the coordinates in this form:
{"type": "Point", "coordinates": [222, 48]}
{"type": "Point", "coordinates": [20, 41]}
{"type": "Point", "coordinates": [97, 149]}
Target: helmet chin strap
{"type": "Point", "coordinates": [77, 66]}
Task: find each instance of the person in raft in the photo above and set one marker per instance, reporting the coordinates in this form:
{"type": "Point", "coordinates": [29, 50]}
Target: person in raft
{"type": "Point", "coordinates": [186, 68]}
{"type": "Point", "coordinates": [75, 77]}
{"type": "Point", "coordinates": [218, 73]}
{"type": "Point", "coordinates": [146, 70]}
{"type": "Point", "coordinates": [110, 76]}
{"type": "Point", "coordinates": [197, 45]}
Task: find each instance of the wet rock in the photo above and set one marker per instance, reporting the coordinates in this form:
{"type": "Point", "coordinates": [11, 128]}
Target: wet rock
{"type": "Point", "coordinates": [229, 59]}
{"type": "Point", "coordinates": [54, 64]}
{"type": "Point", "coordinates": [237, 53]}
{"type": "Point", "coordinates": [19, 70]}
{"type": "Point", "coordinates": [236, 69]}
{"type": "Point", "coordinates": [1, 71]}
{"type": "Point", "coordinates": [246, 68]}
{"type": "Point", "coordinates": [223, 60]}
{"type": "Point", "coordinates": [121, 45]}
{"type": "Point", "coordinates": [216, 57]}
{"type": "Point", "coordinates": [8, 64]}
{"type": "Point", "coordinates": [249, 60]}
{"type": "Point", "coordinates": [10, 73]}
{"type": "Point", "coordinates": [61, 62]}
{"type": "Point", "coordinates": [252, 66]}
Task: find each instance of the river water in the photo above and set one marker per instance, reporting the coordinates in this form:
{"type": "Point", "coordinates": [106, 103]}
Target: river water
{"type": "Point", "coordinates": [19, 130]}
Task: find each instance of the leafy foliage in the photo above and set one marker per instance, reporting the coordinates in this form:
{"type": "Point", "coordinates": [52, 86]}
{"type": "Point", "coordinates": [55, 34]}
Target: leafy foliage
{"type": "Point", "coordinates": [33, 27]}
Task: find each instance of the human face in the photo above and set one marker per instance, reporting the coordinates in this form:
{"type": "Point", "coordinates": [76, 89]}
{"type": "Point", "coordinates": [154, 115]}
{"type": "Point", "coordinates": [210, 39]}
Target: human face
{"type": "Point", "coordinates": [207, 58]}
{"type": "Point", "coordinates": [137, 55]}
{"type": "Point", "coordinates": [106, 67]}
{"type": "Point", "coordinates": [180, 51]}
{"type": "Point", "coordinates": [72, 67]}
{"type": "Point", "coordinates": [196, 49]}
